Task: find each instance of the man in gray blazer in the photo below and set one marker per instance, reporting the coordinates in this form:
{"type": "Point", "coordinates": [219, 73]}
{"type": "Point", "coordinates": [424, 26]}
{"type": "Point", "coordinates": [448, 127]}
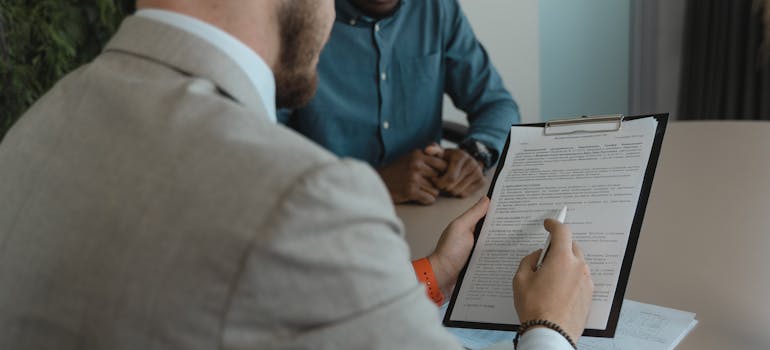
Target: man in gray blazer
{"type": "Point", "coordinates": [150, 201]}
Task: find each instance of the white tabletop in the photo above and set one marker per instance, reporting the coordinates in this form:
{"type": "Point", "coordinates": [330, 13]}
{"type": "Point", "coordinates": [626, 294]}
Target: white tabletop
{"type": "Point", "coordinates": [705, 243]}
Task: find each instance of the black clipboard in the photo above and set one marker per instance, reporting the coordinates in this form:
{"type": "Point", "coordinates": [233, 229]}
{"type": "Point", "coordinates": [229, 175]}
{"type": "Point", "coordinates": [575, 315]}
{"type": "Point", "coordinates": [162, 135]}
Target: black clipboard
{"type": "Point", "coordinates": [615, 122]}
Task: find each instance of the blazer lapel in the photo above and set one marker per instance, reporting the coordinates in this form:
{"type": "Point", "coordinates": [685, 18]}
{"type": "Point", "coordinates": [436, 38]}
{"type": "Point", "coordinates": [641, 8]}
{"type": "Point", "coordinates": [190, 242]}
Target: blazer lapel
{"type": "Point", "coordinates": [187, 53]}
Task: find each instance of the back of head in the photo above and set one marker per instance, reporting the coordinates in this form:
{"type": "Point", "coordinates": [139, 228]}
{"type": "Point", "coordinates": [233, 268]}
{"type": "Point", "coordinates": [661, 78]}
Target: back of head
{"type": "Point", "coordinates": [287, 34]}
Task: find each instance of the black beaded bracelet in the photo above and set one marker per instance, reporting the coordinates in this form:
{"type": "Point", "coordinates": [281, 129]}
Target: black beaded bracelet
{"type": "Point", "coordinates": [545, 323]}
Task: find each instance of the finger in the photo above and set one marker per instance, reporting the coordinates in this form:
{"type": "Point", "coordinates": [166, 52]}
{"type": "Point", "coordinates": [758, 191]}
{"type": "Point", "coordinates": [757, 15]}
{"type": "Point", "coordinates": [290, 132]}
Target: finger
{"type": "Point", "coordinates": [577, 251]}
{"type": "Point", "coordinates": [465, 172]}
{"type": "Point", "coordinates": [471, 216]}
{"type": "Point", "coordinates": [460, 189]}
{"type": "Point", "coordinates": [470, 184]}
{"type": "Point", "coordinates": [472, 188]}
{"type": "Point", "coordinates": [423, 197]}
{"type": "Point", "coordinates": [529, 263]}
{"type": "Point", "coordinates": [426, 170]}
{"type": "Point", "coordinates": [453, 173]}
{"type": "Point", "coordinates": [470, 174]}
{"type": "Point", "coordinates": [434, 150]}
{"type": "Point", "coordinates": [427, 186]}
{"type": "Point", "coordinates": [437, 163]}
{"type": "Point", "coordinates": [561, 236]}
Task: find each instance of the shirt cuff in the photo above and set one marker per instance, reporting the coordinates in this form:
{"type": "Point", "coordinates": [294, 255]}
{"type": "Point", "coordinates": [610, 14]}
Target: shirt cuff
{"type": "Point", "coordinates": [542, 338]}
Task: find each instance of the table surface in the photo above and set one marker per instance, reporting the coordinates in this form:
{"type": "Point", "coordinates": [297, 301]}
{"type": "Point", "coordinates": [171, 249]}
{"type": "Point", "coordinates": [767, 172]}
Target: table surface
{"type": "Point", "coordinates": [705, 242]}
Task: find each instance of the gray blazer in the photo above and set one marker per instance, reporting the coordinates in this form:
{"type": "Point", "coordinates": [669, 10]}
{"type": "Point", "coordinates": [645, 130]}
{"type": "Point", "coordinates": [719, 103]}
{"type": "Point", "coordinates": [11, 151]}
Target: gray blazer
{"type": "Point", "coordinates": [147, 202]}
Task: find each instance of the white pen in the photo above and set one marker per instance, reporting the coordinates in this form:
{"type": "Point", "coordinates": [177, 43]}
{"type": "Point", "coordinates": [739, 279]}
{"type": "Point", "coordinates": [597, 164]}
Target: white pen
{"type": "Point", "coordinates": [560, 218]}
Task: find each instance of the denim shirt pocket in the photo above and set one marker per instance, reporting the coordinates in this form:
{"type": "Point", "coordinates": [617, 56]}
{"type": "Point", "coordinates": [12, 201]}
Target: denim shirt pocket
{"type": "Point", "coordinates": [420, 68]}
{"type": "Point", "coordinates": [421, 92]}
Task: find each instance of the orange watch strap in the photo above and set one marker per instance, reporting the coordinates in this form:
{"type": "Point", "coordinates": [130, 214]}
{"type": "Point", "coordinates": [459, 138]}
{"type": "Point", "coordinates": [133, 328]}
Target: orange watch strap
{"type": "Point", "coordinates": [424, 272]}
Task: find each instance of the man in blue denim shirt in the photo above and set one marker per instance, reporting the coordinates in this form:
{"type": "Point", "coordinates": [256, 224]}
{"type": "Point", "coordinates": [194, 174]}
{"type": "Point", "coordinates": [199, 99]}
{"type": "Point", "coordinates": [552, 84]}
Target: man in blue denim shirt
{"type": "Point", "coordinates": [382, 77]}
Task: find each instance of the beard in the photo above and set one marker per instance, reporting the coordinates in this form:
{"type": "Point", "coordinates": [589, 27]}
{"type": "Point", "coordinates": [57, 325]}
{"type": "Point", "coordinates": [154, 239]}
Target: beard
{"type": "Point", "coordinates": [378, 9]}
{"type": "Point", "coordinates": [296, 77]}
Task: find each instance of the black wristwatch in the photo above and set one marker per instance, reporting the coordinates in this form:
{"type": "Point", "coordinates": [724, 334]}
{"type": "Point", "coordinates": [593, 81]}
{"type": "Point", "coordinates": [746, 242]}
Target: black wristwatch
{"type": "Point", "coordinates": [479, 151]}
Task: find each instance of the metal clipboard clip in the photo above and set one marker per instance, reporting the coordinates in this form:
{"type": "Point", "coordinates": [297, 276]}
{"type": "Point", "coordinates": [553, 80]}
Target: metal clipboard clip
{"type": "Point", "coordinates": [585, 124]}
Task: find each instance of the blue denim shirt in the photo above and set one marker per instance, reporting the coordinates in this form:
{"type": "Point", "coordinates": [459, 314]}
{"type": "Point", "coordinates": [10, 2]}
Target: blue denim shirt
{"type": "Point", "coordinates": [381, 83]}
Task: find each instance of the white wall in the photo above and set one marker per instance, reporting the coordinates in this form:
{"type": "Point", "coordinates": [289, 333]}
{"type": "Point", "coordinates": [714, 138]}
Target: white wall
{"type": "Point", "coordinates": [560, 58]}
{"type": "Point", "coordinates": [508, 29]}
{"type": "Point", "coordinates": [584, 50]}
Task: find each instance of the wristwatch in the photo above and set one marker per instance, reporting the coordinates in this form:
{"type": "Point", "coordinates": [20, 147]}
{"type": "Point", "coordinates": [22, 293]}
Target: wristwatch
{"type": "Point", "coordinates": [479, 151]}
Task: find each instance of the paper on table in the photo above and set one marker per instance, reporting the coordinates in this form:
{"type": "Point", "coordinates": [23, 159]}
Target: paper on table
{"type": "Point", "coordinates": [598, 176]}
{"type": "Point", "coordinates": [641, 327]}
{"type": "Point", "coordinates": [644, 326]}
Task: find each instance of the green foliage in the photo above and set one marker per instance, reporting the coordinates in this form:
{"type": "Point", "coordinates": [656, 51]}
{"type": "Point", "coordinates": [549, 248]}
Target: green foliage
{"type": "Point", "coordinates": [41, 40]}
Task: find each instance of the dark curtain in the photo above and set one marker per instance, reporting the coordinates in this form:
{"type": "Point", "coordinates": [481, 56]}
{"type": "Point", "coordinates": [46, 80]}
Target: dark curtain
{"type": "Point", "coordinates": [725, 73]}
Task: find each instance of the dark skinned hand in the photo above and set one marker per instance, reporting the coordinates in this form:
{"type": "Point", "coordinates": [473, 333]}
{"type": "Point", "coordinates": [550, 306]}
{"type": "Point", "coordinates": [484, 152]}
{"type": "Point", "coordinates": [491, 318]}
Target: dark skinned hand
{"type": "Point", "coordinates": [464, 174]}
{"type": "Point", "coordinates": [410, 178]}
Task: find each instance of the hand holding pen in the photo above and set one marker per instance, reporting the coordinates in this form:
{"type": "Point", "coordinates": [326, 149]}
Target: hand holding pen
{"type": "Point", "coordinates": [561, 290]}
{"type": "Point", "coordinates": [560, 218]}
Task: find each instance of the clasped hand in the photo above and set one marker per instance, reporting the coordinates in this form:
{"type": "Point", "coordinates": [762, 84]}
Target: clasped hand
{"type": "Point", "coordinates": [423, 174]}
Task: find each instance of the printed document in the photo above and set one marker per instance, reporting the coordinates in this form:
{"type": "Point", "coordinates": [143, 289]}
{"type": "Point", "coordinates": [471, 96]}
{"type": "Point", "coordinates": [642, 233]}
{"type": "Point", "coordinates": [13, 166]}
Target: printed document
{"type": "Point", "coordinates": [597, 175]}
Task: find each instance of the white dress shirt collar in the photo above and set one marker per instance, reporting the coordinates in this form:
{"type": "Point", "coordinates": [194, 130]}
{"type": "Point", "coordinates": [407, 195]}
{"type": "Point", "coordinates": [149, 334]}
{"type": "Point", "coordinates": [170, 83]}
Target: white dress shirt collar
{"type": "Point", "coordinates": [250, 62]}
